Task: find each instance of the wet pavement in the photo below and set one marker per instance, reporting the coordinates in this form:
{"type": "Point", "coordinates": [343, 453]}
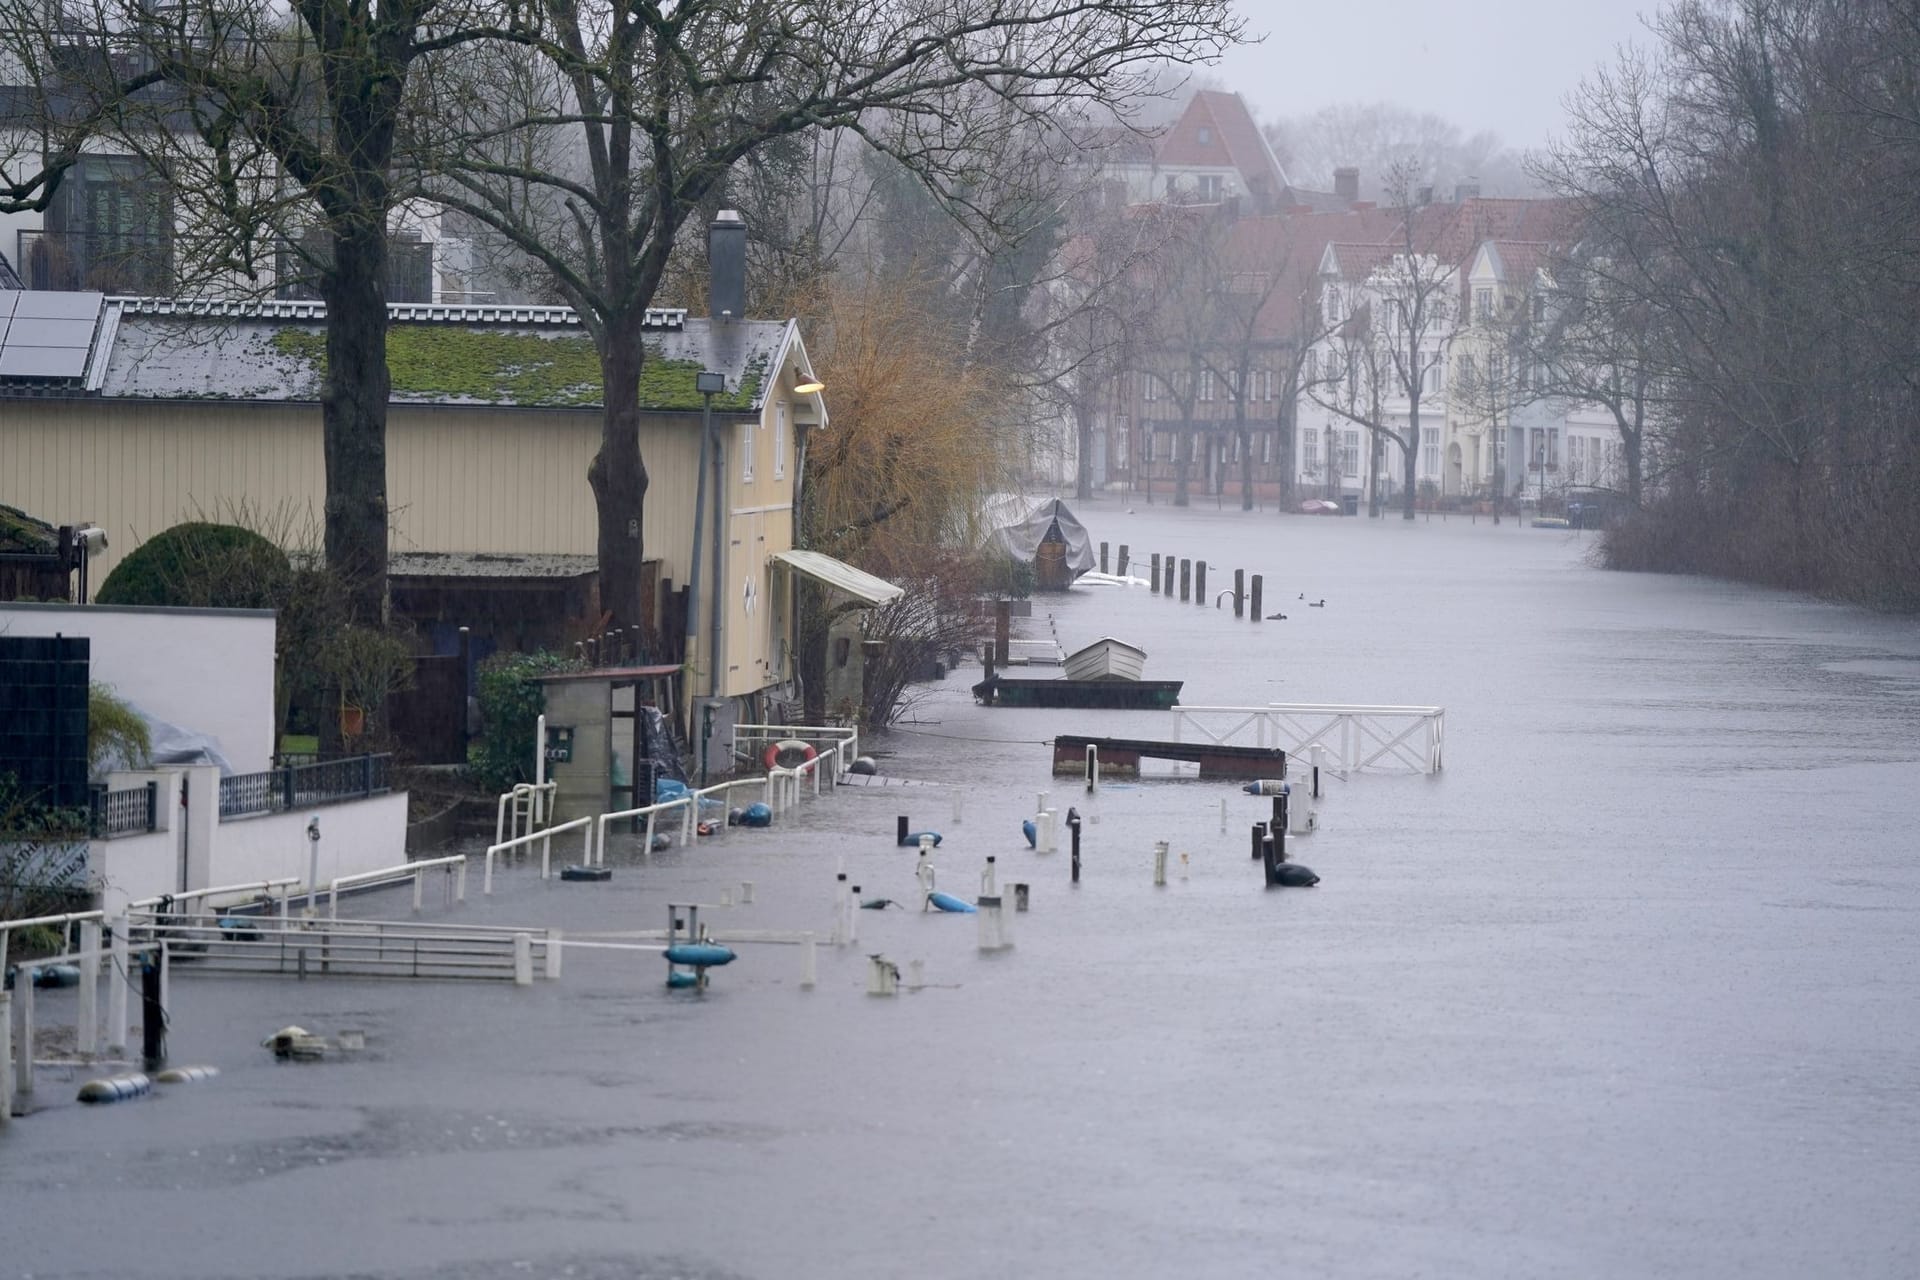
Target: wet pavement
{"type": "Point", "coordinates": [1631, 989]}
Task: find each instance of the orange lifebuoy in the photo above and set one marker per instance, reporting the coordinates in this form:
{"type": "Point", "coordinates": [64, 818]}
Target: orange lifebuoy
{"type": "Point", "coordinates": [787, 753]}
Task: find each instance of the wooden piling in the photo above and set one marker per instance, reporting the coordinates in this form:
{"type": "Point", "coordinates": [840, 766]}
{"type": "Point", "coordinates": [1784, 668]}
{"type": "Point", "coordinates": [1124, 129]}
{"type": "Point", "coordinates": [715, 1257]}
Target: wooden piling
{"type": "Point", "coordinates": [1103, 557]}
{"type": "Point", "coordinates": [1199, 581]}
{"type": "Point", "coordinates": [1239, 593]}
{"type": "Point", "coordinates": [1002, 631]}
{"type": "Point", "coordinates": [1153, 581]}
{"type": "Point", "coordinates": [1121, 567]}
{"type": "Point", "coordinates": [1186, 580]}
{"type": "Point", "coordinates": [1253, 597]}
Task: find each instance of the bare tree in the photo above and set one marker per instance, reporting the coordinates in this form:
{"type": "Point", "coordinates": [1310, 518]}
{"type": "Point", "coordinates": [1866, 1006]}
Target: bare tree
{"type": "Point", "coordinates": [1396, 315]}
{"type": "Point", "coordinates": [669, 99]}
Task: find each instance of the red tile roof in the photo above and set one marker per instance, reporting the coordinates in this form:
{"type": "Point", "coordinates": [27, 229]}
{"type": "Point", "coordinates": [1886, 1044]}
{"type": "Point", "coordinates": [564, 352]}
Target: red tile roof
{"type": "Point", "coordinates": [1217, 129]}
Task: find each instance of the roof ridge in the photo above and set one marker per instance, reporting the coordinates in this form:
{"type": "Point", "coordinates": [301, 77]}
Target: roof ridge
{"type": "Point", "coordinates": [407, 312]}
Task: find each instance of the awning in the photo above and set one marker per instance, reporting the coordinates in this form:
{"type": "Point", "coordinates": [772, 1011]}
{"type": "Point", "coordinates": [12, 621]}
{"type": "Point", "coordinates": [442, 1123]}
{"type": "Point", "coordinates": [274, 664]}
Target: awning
{"type": "Point", "coordinates": [858, 583]}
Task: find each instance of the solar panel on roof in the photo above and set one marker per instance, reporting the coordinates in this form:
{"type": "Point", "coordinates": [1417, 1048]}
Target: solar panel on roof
{"type": "Point", "coordinates": [49, 304]}
{"type": "Point", "coordinates": [49, 334]}
{"type": "Point", "coordinates": [17, 361]}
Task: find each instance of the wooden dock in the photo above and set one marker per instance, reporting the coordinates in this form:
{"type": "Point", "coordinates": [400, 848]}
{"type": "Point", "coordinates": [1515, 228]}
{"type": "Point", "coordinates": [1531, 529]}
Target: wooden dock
{"type": "Point", "coordinates": [1121, 757]}
{"type": "Point", "coordinates": [1128, 695]}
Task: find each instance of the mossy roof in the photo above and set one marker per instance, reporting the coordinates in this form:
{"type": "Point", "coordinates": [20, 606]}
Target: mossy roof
{"type": "Point", "coordinates": [168, 357]}
{"type": "Point", "coordinates": [21, 534]}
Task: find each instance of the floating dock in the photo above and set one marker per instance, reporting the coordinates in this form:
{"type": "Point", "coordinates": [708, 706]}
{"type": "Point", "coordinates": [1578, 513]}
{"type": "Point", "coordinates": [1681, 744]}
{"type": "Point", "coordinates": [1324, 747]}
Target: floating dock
{"type": "Point", "coordinates": [1121, 756]}
{"type": "Point", "coordinates": [1131, 695]}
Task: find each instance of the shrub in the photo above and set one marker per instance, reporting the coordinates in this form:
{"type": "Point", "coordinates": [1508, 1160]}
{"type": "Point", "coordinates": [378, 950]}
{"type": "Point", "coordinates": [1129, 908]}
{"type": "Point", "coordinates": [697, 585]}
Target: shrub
{"type": "Point", "coordinates": [511, 700]}
{"type": "Point", "coordinates": [117, 737]}
{"type": "Point", "coordinates": [202, 565]}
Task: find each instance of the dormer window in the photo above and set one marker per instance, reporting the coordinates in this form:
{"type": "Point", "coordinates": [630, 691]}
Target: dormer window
{"type": "Point", "coordinates": [1206, 135]}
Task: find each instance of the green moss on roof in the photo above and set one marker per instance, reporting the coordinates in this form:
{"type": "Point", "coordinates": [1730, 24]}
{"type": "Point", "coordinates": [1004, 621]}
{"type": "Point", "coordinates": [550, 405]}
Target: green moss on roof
{"type": "Point", "coordinates": [21, 534]}
{"type": "Point", "coordinates": [453, 363]}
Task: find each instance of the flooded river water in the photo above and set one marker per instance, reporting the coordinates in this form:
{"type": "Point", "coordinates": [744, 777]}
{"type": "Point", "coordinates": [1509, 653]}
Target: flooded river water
{"type": "Point", "coordinates": [1632, 988]}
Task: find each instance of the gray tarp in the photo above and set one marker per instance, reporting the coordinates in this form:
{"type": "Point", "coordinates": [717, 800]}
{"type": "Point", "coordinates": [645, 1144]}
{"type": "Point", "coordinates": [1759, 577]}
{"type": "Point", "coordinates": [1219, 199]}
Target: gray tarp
{"type": "Point", "coordinates": [174, 744]}
{"type": "Point", "coordinates": [1021, 537]}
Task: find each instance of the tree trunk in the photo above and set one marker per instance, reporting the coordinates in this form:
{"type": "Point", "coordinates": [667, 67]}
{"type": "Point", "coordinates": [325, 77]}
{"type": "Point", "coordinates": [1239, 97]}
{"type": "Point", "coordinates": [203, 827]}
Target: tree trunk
{"type": "Point", "coordinates": [1182, 459]}
{"type": "Point", "coordinates": [1246, 456]}
{"type": "Point", "coordinates": [353, 418]}
{"type": "Point", "coordinates": [619, 477]}
{"type": "Point", "coordinates": [1083, 471]}
{"type": "Point", "coordinates": [1412, 462]}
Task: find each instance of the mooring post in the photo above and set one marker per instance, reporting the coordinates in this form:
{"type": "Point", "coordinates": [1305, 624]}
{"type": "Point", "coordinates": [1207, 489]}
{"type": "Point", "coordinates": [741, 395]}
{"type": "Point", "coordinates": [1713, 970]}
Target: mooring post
{"type": "Point", "coordinates": [87, 1039]}
{"type": "Point", "coordinates": [1002, 629]}
{"type": "Point", "coordinates": [1103, 557]}
{"type": "Point", "coordinates": [1199, 581]}
{"type": "Point", "coordinates": [900, 829]}
{"type": "Point", "coordinates": [1239, 593]}
{"type": "Point", "coordinates": [809, 962]}
{"type": "Point", "coordinates": [1093, 768]}
{"type": "Point", "coordinates": [117, 979]}
{"type": "Point", "coordinates": [1186, 580]}
{"type": "Point", "coordinates": [1153, 575]}
{"type": "Point", "coordinates": [1160, 863]}
{"type": "Point", "coordinates": [1121, 567]}
{"type": "Point", "coordinates": [1259, 838]}
{"type": "Point", "coordinates": [853, 914]}
{"type": "Point", "coordinates": [6, 1058]}
{"type": "Point", "coordinates": [153, 1016]}
{"type": "Point", "coordinates": [23, 1036]}
{"type": "Point", "coordinates": [1253, 597]}
{"type": "Point", "coordinates": [522, 959]}
{"type": "Point", "coordinates": [1223, 815]}
{"type": "Point", "coordinates": [1073, 826]}
{"type": "Point", "coordinates": [840, 907]}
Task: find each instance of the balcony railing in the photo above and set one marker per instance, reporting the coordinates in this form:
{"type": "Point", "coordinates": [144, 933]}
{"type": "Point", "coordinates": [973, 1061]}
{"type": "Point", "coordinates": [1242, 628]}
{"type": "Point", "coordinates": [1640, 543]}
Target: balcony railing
{"type": "Point", "coordinates": [124, 813]}
{"type": "Point", "coordinates": [303, 786]}
{"type": "Point", "coordinates": [125, 263]}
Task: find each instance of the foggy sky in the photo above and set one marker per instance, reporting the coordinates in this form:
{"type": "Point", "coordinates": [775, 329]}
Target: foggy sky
{"type": "Point", "coordinates": [1502, 65]}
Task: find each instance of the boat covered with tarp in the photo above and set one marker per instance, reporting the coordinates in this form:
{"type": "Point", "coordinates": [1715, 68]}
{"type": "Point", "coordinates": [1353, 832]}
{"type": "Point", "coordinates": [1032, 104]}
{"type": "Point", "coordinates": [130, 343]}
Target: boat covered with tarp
{"type": "Point", "coordinates": [1044, 533]}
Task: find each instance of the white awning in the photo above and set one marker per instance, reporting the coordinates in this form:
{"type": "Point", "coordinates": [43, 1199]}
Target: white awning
{"type": "Point", "coordinates": [841, 576]}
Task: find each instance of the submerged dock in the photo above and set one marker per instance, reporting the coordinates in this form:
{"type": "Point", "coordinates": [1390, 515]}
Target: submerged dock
{"type": "Point", "coordinates": [1122, 756]}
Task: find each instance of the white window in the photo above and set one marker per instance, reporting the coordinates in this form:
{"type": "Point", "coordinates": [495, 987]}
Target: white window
{"type": "Point", "coordinates": [1465, 375]}
{"type": "Point", "coordinates": [1310, 451]}
{"type": "Point", "coordinates": [1350, 453]}
{"type": "Point", "coordinates": [1333, 304]}
{"type": "Point", "coordinates": [1576, 458]}
{"type": "Point", "coordinates": [1310, 370]}
{"type": "Point", "coordinates": [1120, 438]}
{"type": "Point", "coordinates": [1483, 304]}
{"type": "Point", "coordinates": [1212, 187]}
{"type": "Point", "coordinates": [1206, 384]}
{"type": "Point", "coordinates": [1150, 388]}
{"type": "Point", "coordinates": [780, 440]}
{"type": "Point", "coordinates": [1430, 450]}
{"type": "Point", "coordinates": [746, 451]}
{"type": "Point", "coordinates": [1266, 446]}
{"type": "Point", "coordinates": [1496, 370]}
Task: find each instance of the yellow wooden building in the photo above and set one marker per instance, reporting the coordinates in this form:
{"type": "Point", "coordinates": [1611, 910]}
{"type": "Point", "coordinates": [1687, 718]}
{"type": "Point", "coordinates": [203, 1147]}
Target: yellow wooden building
{"type": "Point", "coordinates": [182, 410]}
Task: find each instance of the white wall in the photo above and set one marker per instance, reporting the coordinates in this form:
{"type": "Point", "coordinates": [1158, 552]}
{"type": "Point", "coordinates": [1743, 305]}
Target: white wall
{"type": "Point", "coordinates": [130, 868]}
{"type": "Point", "coordinates": [210, 670]}
{"type": "Point", "coordinates": [357, 835]}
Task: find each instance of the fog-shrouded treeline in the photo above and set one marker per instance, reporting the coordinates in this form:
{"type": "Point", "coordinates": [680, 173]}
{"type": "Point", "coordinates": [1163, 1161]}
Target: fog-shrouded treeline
{"type": "Point", "coordinates": [1749, 189]}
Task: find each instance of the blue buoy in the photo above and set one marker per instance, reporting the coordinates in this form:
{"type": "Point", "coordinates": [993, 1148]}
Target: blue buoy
{"type": "Point", "coordinates": [756, 815]}
{"type": "Point", "coordinates": [912, 839]}
{"type": "Point", "coordinates": [947, 902]}
{"type": "Point", "coordinates": [679, 981]}
{"type": "Point", "coordinates": [699, 954]}
{"type": "Point", "coordinates": [1031, 832]}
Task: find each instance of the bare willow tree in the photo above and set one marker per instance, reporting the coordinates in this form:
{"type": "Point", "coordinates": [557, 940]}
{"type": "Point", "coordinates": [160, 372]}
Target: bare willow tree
{"type": "Point", "coordinates": [644, 108]}
{"type": "Point", "coordinates": [269, 120]}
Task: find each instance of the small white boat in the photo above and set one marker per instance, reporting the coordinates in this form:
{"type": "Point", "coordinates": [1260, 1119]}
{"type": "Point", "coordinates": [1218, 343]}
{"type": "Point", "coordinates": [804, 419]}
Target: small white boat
{"type": "Point", "coordinates": [1106, 659]}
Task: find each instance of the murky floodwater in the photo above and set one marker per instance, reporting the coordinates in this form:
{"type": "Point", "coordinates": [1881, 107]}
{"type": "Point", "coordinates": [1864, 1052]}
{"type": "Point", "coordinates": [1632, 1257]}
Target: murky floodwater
{"type": "Point", "coordinates": [1632, 989]}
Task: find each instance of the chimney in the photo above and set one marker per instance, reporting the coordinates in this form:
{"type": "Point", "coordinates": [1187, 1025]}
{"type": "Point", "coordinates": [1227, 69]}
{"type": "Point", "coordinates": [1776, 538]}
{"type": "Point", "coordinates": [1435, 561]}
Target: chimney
{"type": "Point", "coordinates": [1346, 183]}
{"type": "Point", "coordinates": [727, 267]}
{"type": "Point", "coordinates": [1467, 189]}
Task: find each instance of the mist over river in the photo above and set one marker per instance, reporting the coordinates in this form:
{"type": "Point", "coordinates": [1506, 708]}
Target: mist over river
{"type": "Point", "coordinates": [1631, 988]}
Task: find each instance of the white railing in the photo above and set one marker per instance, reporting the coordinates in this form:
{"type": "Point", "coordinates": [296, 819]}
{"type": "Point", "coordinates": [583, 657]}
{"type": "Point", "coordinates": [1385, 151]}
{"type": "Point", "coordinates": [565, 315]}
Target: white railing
{"type": "Point", "coordinates": [848, 738]}
{"type": "Point", "coordinates": [527, 806]}
{"type": "Point", "coordinates": [688, 804]}
{"type": "Point", "coordinates": [783, 785]}
{"type": "Point", "coordinates": [1358, 737]}
{"type": "Point", "coordinates": [545, 837]}
{"type": "Point", "coordinates": [182, 901]}
{"type": "Point", "coordinates": [414, 871]}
